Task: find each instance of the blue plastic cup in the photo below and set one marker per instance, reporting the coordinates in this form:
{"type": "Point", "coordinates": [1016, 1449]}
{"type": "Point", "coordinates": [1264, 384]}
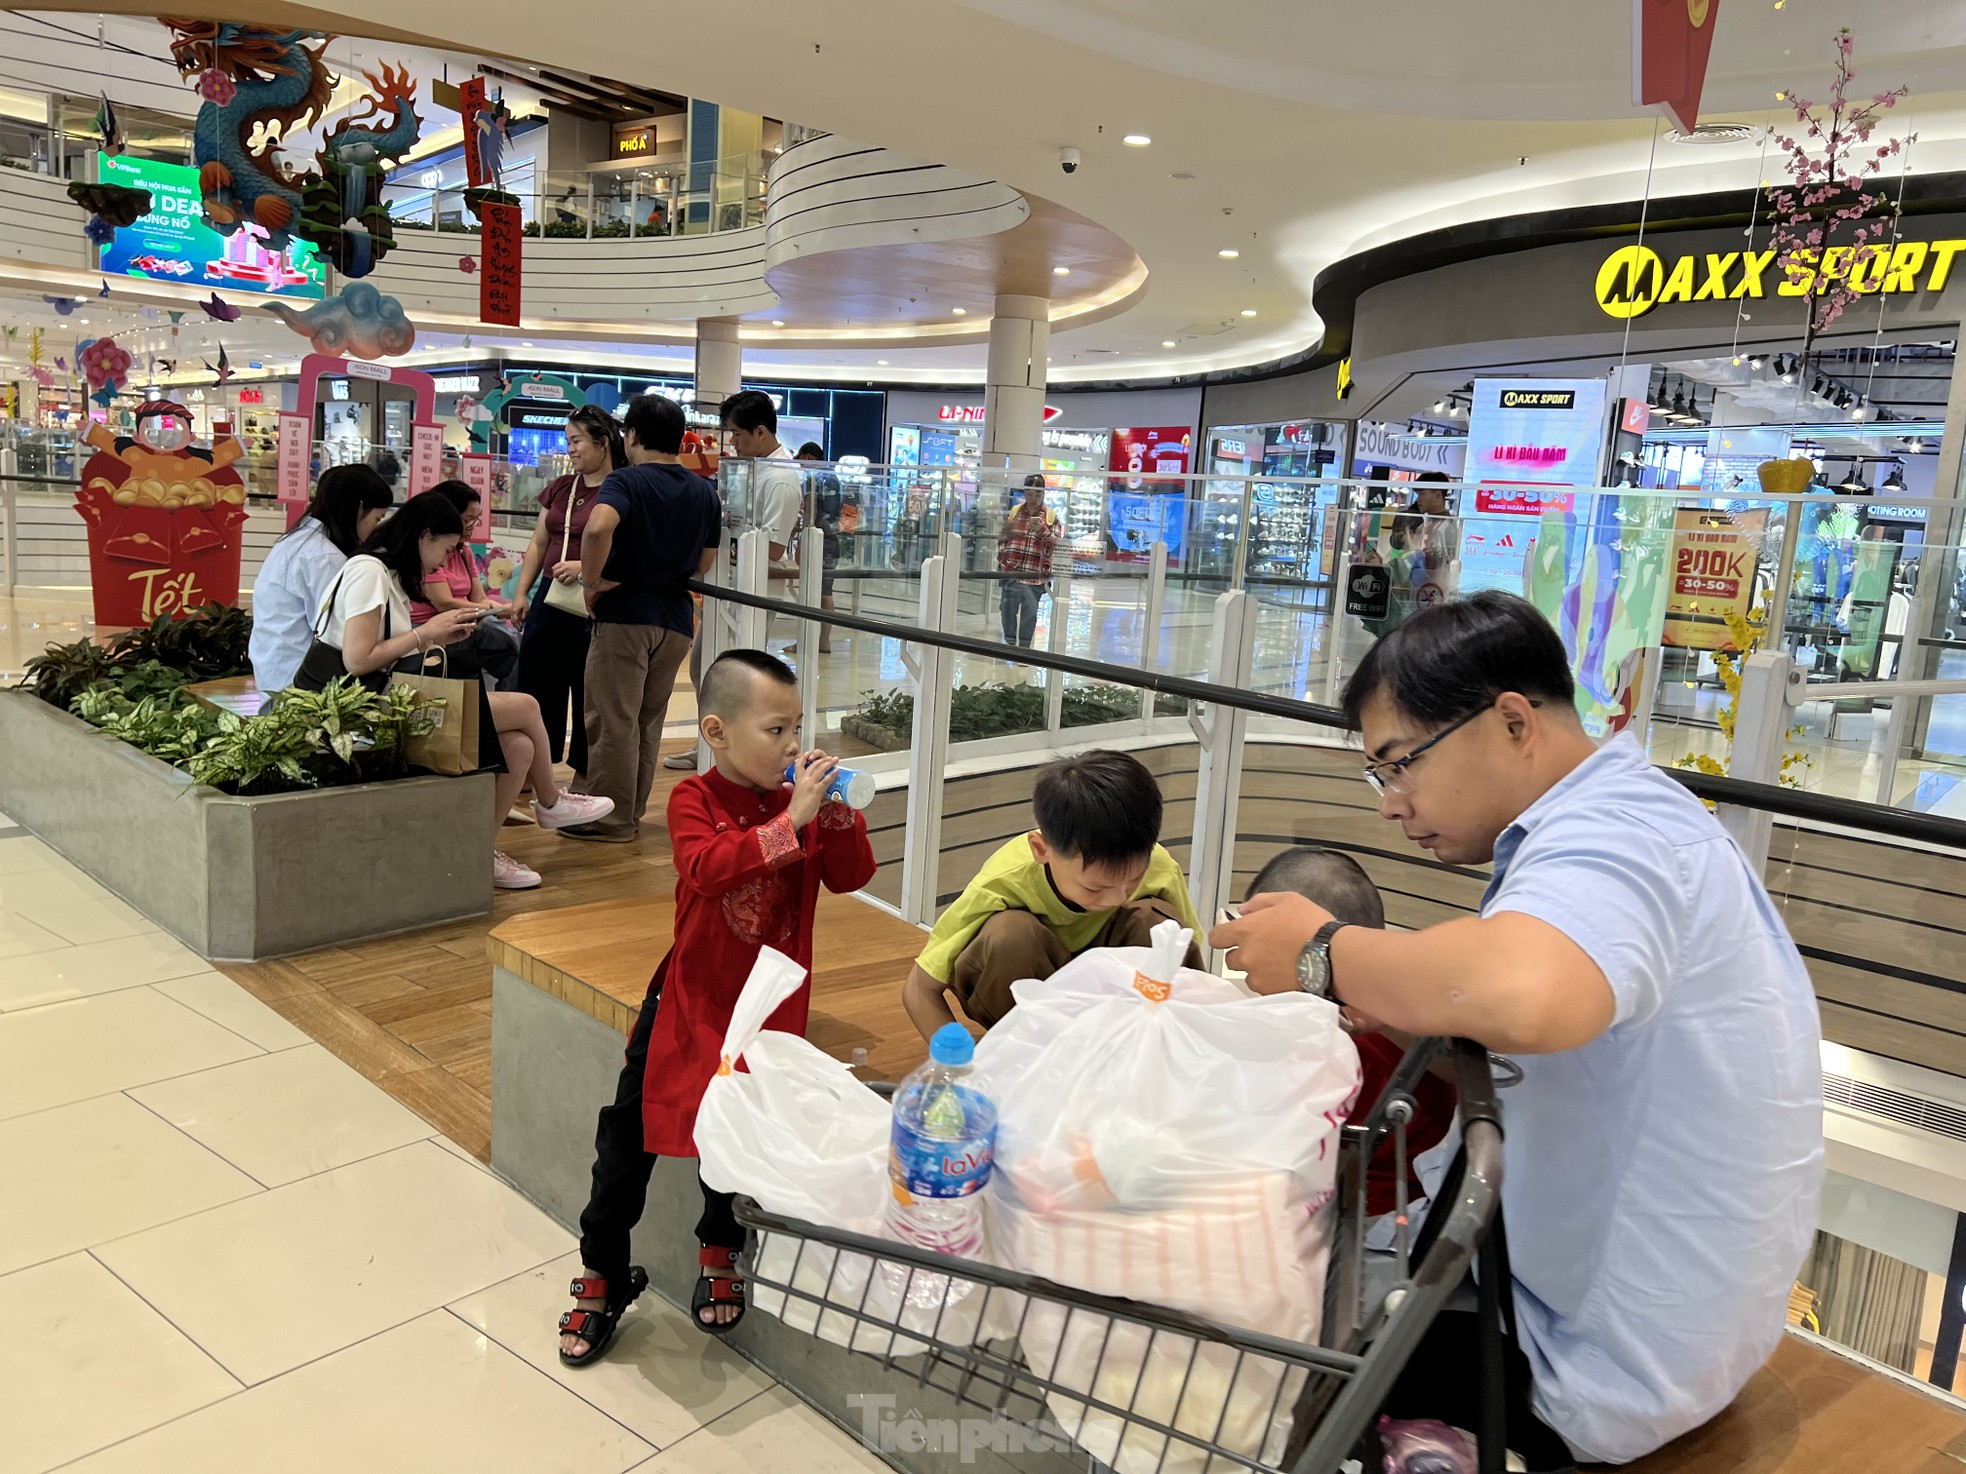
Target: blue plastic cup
{"type": "Point", "coordinates": [854, 789]}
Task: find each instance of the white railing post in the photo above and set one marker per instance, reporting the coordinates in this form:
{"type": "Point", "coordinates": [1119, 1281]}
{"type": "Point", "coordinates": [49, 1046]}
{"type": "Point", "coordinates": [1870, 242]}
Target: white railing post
{"type": "Point", "coordinates": [812, 573]}
{"type": "Point", "coordinates": [1761, 727]}
{"type": "Point", "coordinates": [1054, 638]}
{"type": "Point", "coordinates": [1156, 605]}
{"type": "Point", "coordinates": [749, 627]}
{"type": "Point", "coordinates": [1221, 730]}
{"type": "Point", "coordinates": [9, 537]}
{"type": "Point", "coordinates": [934, 669]}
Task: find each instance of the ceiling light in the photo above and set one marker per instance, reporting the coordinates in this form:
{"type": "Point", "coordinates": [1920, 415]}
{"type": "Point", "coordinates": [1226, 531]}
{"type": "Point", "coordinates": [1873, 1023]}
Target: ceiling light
{"type": "Point", "coordinates": [1249, 312]}
{"type": "Point", "coordinates": [1061, 271]}
{"type": "Point", "coordinates": [1756, 362]}
{"type": "Point", "coordinates": [1167, 342]}
{"type": "Point", "coordinates": [959, 311]}
{"type": "Point", "coordinates": [1228, 253]}
{"type": "Point", "coordinates": [83, 320]}
{"type": "Point", "coordinates": [1440, 406]}
{"type": "Point", "coordinates": [880, 363]}
{"type": "Point", "coordinates": [1136, 140]}
{"type": "Point", "coordinates": [778, 322]}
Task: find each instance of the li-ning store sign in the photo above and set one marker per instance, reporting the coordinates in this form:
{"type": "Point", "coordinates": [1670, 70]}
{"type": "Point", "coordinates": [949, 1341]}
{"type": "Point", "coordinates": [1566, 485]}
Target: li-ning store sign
{"type": "Point", "coordinates": [1635, 279]}
{"type": "Point", "coordinates": [972, 414]}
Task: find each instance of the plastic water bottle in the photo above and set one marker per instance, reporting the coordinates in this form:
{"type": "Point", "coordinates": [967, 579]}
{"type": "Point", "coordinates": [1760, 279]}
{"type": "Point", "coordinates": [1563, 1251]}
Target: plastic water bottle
{"type": "Point", "coordinates": [944, 1136]}
{"type": "Point", "coordinates": [850, 787]}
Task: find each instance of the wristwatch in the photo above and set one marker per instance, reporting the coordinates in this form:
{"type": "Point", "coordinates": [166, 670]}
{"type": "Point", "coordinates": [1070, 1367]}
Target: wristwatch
{"type": "Point", "coordinates": [1314, 962]}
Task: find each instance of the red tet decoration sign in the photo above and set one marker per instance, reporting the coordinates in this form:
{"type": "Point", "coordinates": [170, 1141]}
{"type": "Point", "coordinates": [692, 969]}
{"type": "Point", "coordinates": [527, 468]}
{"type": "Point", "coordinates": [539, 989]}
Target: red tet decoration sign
{"type": "Point", "coordinates": [470, 102]}
{"type": "Point", "coordinates": [1671, 41]}
{"type": "Point", "coordinates": [498, 284]}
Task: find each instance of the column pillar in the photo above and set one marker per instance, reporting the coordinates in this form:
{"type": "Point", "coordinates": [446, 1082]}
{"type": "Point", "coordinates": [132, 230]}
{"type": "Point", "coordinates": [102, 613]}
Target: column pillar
{"type": "Point", "coordinates": [719, 362]}
{"type": "Point", "coordinates": [1013, 395]}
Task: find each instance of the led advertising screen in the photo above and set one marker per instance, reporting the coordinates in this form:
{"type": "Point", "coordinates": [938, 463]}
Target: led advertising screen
{"type": "Point", "coordinates": [173, 243]}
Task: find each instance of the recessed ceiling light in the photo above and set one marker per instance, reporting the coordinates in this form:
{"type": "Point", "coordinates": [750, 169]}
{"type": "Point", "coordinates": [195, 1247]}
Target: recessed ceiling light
{"type": "Point", "coordinates": [1182, 174]}
{"type": "Point", "coordinates": [778, 322]}
{"type": "Point", "coordinates": [525, 345]}
{"type": "Point", "coordinates": [960, 311]}
{"type": "Point", "coordinates": [1167, 342]}
{"type": "Point", "coordinates": [1136, 140]}
{"type": "Point", "coordinates": [1249, 312]}
{"type": "Point", "coordinates": [880, 363]}
{"type": "Point", "coordinates": [1228, 253]}
{"type": "Point", "coordinates": [1061, 271]}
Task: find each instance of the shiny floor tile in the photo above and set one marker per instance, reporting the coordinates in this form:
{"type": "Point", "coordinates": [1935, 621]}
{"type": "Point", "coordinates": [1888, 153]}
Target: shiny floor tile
{"type": "Point", "coordinates": [91, 920]}
{"type": "Point", "coordinates": [285, 1116]}
{"type": "Point", "coordinates": [96, 967]}
{"type": "Point", "coordinates": [661, 1377]}
{"type": "Point", "coordinates": [28, 891]}
{"type": "Point", "coordinates": [772, 1431]}
{"type": "Point", "coordinates": [64, 1052]}
{"type": "Point", "coordinates": [273, 1281]}
{"type": "Point", "coordinates": [430, 1395]}
{"type": "Point", "coordinates": [85, 1363]}
{"type": "Point", "coordinates": [97, 1170]}
{"type": "Point", "coordinates": [20, 937]}
{"type": "Point", "coordinates": [227, 1004]}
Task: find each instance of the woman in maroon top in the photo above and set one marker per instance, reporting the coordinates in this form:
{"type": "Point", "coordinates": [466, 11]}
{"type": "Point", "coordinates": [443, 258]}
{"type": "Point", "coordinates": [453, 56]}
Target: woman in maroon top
{"type": "Point", "coordinates": [553, 643]}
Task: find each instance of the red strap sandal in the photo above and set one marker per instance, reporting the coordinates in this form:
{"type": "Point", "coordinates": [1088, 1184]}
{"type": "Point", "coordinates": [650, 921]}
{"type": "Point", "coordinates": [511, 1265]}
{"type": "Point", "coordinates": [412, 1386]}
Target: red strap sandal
{"type": "Point", "coordinates": [714, 1288]}
{"type": "Point", "coordinates": [597, 1327]}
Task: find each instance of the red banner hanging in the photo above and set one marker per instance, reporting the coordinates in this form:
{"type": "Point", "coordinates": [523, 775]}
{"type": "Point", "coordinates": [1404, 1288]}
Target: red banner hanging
{"type": "Point", "coordinates": [1671, 41]}
{"type": "Point", "coordinates": [470, 102]}
{"type": "Point", "coordinates": [499, 278]}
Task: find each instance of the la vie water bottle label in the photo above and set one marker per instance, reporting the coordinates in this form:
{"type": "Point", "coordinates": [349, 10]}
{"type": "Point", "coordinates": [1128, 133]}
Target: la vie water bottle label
{"type": "Point", "coordinates": [929, 1168]}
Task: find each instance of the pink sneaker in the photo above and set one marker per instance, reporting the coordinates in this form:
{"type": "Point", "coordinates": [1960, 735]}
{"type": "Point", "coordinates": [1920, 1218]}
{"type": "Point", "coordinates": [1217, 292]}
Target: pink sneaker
{"type": "Point", "coordinates": [572, 809]}
{"type": "Point", "coordinates": [509, 875]}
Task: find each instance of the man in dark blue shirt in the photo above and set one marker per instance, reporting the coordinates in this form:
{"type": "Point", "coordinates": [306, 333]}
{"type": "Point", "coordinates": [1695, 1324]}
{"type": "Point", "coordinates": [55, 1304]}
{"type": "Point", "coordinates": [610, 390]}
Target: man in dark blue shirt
{"type": "Point", "coordinates": [654, 526]}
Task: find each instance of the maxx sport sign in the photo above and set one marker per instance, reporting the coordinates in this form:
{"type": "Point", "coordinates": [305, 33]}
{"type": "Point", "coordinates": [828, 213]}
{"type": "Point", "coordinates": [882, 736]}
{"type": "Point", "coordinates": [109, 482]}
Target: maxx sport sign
{"type": "Point", "coordinates": [1635, 279]}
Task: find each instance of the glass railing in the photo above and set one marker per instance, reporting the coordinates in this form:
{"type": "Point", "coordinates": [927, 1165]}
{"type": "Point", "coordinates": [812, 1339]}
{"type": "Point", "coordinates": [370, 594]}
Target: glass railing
{"type": "Point", "coordinates": [1654, 593]}
{"type": "Point", "coordinates": [665, 199]}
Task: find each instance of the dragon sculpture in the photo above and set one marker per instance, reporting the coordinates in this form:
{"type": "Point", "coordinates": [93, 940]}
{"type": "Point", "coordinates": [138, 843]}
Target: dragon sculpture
{"type": "Point", "coordinates": [260, 88]}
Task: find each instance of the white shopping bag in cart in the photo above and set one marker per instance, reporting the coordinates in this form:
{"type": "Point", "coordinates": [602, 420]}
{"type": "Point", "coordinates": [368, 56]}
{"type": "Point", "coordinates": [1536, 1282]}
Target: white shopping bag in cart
{"type": "Point", "coordinates": [1165, 1137]}
{"type": "Point", "coordinates": [794, 1129]}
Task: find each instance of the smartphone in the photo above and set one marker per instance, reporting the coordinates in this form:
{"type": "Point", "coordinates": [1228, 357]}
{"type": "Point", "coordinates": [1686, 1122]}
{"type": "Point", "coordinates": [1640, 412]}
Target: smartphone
{"type": "Point", "coordinates": [1227, 914]}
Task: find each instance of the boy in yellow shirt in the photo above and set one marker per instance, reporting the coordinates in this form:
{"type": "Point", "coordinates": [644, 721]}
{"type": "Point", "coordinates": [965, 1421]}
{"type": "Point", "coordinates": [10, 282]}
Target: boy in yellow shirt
{"type": "Point", "coordinates": [1092, 874]}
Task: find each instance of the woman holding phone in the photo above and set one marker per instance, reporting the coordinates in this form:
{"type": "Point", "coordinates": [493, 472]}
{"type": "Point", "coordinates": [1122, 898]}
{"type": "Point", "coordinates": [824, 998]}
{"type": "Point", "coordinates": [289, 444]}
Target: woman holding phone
{"type": "Point", "coordinates": [365, 631]}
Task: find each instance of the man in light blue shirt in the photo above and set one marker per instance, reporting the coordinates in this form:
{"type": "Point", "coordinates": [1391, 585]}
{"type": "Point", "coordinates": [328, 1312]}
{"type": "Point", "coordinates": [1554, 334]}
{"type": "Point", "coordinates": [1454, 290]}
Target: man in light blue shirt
{"type": "Point", "coordinates": [1664, 1150]}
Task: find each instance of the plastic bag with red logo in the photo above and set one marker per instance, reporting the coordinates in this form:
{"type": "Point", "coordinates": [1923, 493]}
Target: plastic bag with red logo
{"type": "Point", "coordinates": [1164, 1136]}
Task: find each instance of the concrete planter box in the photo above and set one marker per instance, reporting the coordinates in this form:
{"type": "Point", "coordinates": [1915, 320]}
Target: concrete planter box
{"type": "Point", "coordinates": [238, 879]}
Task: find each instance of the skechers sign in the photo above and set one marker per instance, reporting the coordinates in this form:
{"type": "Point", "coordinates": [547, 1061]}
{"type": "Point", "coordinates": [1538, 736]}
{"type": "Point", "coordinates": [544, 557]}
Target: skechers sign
{"type": "Point", "coordinates": [1635, 279]}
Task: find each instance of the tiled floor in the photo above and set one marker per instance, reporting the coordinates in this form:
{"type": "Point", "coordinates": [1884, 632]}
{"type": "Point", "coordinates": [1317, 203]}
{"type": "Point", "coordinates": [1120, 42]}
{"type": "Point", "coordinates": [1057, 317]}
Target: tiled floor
{"type": "Point", "coordinates": [221, 1249]}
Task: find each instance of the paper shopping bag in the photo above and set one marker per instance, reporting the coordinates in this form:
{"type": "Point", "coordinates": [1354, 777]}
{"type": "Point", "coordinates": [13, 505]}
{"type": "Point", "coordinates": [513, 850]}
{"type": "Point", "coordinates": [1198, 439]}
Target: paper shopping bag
{"type": "Point", "coordinates": [451, 747]}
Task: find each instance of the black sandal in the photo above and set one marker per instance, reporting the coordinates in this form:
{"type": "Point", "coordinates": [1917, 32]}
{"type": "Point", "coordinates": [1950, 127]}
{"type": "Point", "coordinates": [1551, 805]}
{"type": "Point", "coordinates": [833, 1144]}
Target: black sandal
{"type": "Point", "coordinates": [713, 1288]}
{"type": "Point", "coordinates": [596, 1327]}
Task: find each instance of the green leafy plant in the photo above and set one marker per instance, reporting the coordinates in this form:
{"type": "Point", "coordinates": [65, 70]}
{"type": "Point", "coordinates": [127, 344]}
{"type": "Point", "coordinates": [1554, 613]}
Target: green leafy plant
{"type": "Point", "coordinates": [997, 710]}
{"type": "Point", "coordinates": [202, 644]}
{"type": "Point", "coordinates": [262, 754]}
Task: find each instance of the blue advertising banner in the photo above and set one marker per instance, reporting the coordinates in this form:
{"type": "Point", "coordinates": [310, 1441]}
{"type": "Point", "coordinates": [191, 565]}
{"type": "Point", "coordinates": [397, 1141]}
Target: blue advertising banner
{"type": "Point", "coordinates": [173, 243]}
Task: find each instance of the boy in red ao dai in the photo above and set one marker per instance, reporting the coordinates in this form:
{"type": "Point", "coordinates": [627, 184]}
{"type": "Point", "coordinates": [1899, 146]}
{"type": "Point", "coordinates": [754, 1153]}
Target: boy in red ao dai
{"type": "Point", "coordinates": [751, 852]}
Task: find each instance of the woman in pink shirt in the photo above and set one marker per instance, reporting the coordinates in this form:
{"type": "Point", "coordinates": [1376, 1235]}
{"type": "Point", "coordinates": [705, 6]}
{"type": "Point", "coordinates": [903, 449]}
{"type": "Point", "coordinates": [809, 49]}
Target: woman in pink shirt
{"type": "Point", "coordinates": [493, 648]}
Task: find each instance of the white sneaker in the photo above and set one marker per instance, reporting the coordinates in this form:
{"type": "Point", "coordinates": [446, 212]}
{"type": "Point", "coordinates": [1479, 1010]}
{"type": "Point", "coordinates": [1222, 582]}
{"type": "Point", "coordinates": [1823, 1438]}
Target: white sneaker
{"type": "Point", "coordinates": [572, 809]}
{"type": "Point", "coordinates": [509, 875]}
{"type": "Point", "coordinates": [682, 761]}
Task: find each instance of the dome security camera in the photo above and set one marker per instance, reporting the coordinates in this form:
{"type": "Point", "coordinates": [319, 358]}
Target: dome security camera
{"type": "Point", "coordinates": [1068, 160]}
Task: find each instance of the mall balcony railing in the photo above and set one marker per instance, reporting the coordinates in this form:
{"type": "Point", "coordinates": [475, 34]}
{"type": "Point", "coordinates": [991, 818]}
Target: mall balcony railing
{"type": "Point", "coordinates": [635, 202]}
{"type": "Point", "coordinates": [1141, 557]}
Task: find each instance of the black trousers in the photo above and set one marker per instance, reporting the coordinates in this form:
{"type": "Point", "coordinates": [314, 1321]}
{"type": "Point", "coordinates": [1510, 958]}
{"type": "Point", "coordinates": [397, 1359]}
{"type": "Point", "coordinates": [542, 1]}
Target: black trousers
{"type": "Point", "coordinates": [552, 670]}
{"type": "Point", "coordinates": [622, 1169]}
{"type": "Point", "coordinates": [1440, 1382]}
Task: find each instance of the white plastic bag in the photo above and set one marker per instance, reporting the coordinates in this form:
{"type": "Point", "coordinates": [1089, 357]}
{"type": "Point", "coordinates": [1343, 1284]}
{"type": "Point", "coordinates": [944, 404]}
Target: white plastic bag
{"type": "Point", "coordinates": [1165, 1137]}
{"type": "Point", "coordinates": [795, 1130]}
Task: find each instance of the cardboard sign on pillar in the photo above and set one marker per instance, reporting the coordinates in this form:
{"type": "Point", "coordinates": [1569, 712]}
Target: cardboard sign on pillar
{"type": "Point", "coordinates": [295, 454]}
{"type": "Point", "coordinates": [475, 469]}
{"type": "Point", "coordinates": [426, 457]}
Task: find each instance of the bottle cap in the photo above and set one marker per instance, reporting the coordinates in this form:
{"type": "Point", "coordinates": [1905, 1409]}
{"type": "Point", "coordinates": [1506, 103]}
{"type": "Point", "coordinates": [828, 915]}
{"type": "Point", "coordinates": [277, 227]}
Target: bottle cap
{"type": "Point", "coordinates": [952, 1045]}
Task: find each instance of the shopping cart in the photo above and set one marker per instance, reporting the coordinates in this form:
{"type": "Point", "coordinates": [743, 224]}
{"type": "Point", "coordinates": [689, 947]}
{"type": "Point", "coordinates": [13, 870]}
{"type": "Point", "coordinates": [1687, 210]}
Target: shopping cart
{"type": "Point", "coordinates": [1146, 1389]}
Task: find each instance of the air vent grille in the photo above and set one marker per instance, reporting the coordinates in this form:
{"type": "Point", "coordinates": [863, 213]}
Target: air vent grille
{"type": "Point", "coordinates": [1896, 1105]}
{"type": "Point", "coordinates": [1710, 133]}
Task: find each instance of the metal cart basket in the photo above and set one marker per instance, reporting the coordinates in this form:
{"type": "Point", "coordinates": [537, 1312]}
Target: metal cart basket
{"type": "Point", "coordinates": [1146, 1389]}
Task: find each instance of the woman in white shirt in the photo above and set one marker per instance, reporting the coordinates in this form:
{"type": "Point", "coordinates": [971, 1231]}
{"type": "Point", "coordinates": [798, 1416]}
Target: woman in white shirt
{"type": "Point", "coordinates": [365, 632]}
{"type": "Point", "coordinates": [349, 504]}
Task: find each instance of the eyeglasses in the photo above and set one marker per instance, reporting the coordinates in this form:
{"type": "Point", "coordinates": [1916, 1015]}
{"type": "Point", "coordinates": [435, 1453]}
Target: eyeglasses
{"type": "Point", "coordinates": [1391, 776]}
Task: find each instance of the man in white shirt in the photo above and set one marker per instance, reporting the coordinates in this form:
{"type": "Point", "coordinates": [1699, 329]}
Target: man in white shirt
{"type": "Point", "coordinates": [771, 495]}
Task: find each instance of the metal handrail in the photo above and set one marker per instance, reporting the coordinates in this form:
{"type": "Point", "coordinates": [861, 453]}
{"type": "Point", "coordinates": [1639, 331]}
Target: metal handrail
{"type": "Point", "coordinates": [1768, 797]}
